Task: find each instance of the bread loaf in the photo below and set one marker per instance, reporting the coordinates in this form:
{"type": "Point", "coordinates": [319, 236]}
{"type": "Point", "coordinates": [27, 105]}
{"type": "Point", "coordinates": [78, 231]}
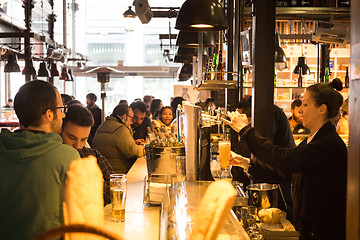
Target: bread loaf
{"type": "Point", "coordinates": [83, 197]}
{"type": "Point", "coordinates": [215, 205]}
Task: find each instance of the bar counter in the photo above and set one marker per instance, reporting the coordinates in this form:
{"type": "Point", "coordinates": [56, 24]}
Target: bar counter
{"type": "Point", "coordinates": [141, 222]}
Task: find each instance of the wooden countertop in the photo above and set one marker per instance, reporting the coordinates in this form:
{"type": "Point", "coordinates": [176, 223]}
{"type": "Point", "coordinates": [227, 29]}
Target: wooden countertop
{"type": "Point", "coordinates": [141, 222]}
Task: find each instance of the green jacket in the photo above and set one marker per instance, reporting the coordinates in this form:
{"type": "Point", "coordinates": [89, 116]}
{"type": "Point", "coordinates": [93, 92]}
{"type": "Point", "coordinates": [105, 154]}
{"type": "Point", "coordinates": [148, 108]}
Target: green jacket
{"type": "Point", "coordinates": [115, 141]}
{"type": "Point", "coordinates": [33, 167]}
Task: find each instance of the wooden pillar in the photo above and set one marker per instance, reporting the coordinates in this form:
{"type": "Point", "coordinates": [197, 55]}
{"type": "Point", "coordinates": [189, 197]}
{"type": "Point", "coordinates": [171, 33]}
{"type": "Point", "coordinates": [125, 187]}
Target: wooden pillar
{"type": "Point", "coordinates": [263, 39]}
{"type": "Point", "coordinates": [353, 195]}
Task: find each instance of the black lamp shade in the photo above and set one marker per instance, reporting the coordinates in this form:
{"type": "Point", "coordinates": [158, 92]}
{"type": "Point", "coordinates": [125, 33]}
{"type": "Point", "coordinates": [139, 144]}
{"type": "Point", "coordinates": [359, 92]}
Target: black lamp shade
{"type": "Point", "coordinates": [302, 67]}
{"type": "Point", "coordinates": [129, 13]}
{"type": "Point", "coordinates": [53, 70]}
{"type": "Point", "coordinates": [182, 59]}
{"type": "Point", "coordinates": [191, 39]}
{"type": "Point", "coordinates": [201, 16]}
{"type": "Point", "coordinates": [103, 77]}
{"type": "Point", "coordinates": [43, 71]}
{"type": "Point", "coordinates": [182, 51]}
{"type": "Point", "coordinates": [280, 57]}
{"type": "Point", "coordinates": [186, 69]}
{"type": "Point", "coordinates": [71, 76]}
{"type": "Point", "coordinates": [11, 65]}
{"type": "Point", "coordinates": [64, 74]}
{"type": "Point", "coordinates": [29, 68]}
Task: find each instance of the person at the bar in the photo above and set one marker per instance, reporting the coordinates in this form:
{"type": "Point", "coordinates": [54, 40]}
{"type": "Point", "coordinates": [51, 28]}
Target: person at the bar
{"type": "Point", "coordinates": [166, 117]}
{"type": "Point", "coordinates": [75, 132]}
{"type": "Point", "coordinates": [295, 120]}
{"type": "Point", "coordinates": [115, 141]}
{"type": "Point", "coordinates": [33, 164]}
{"type": "Point", "coordinates": [140, 122]}
{"type": "Point", "coordinates": [318, 164]}
{"type": "Point", "coordinates": [96, 112]}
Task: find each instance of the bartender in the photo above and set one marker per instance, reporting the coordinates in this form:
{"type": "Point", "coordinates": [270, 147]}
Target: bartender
{"type": "Point", "coordinates": [318, 164]}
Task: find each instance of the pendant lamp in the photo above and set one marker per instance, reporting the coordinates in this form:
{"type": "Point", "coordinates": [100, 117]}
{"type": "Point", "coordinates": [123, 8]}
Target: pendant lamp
{"type": "Point", "coordinates": [201, 16]}
{"type": "Point", "coordinates": [71, 76]}
{"type": "Point", "coordinates": [182, 51]}
{"type": "Point", "coordinates": [191, 39]}
{"type": "Point", "coordinates": [185, 72]}
{"type": "Point", "coordinates": [280, 57]}
{"type": "Point", "coordinates": [29, 68]}
{"type": "Point", "coordinates": [301, 67]}
{"type": "Point", "coordinates": [182, 59]}
{"type": "Point", "coordinates": [64, 74]}
{"type": "Point", "coordinates": [11, 65]}
{"type": "Point", "coordinates": [43, 71]}
{"type": "Point", "coordinates": [53, 70]}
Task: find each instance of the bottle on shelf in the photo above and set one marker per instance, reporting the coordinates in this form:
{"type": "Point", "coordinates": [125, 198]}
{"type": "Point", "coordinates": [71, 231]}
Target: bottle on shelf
{"type": "Point", "coordinates": [214, 67]}
{"type": "Point", "coordinates": [347, 77]}
{"type": "Point", "coordinates": [327, 75]}
{"type": "Point", "coordinates": [275, 76]}
{"type": "Point", "coordinates": [300, 80]}
{"type": "Point", "coordinates": [220, 68]}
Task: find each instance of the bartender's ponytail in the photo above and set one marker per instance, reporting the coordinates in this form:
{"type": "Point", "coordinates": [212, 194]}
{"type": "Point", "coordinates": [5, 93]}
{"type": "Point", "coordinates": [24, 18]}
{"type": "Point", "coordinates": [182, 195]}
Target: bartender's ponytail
{"type": "Point", "coordinates": [325, 93]}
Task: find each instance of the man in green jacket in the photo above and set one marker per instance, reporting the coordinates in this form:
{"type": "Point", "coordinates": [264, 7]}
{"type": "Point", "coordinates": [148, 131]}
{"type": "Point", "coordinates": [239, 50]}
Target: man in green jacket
{"type": "Point", "coordinates": [33, 164]}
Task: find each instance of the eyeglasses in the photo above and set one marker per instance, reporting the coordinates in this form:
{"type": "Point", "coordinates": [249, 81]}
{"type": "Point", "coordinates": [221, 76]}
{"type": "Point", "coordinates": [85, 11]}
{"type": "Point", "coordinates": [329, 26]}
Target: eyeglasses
{"type": "Point", "coordinates": [63, 109]}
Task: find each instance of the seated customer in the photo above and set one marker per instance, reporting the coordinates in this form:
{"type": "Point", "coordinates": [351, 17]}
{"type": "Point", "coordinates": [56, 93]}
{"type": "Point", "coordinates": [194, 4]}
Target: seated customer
{"type": "Point", "coordinates": [140, 122]}
{"type": "Point", "coordinates": [33, 164]}
{"type": "Point", "coordinates": [165, 118]}
{"type": "Point", "coordinates": [114, 140]}
{"type": "Point", "coordinates": [295, 120]}
{"type": "Point", "coordinates": [75, 132]}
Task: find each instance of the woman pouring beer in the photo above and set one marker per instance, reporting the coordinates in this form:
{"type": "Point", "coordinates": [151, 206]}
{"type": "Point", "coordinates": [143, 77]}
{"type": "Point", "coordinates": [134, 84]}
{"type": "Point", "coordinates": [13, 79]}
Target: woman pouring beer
{"type": "Point", "coordinates": [318, 164]}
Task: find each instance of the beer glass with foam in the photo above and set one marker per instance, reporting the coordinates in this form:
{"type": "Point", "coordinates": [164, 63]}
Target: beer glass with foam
{"type": "Point", "coordinates": [118, 196]}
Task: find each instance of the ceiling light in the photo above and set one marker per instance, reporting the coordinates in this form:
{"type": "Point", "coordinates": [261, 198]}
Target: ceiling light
{"type": "Point", "coordinates": [29, 68]}
{"type": "Point", "coordinates": [191, 39]}
{"type": "Point", "coordinates": [301, 67]}
{"type": "Point", "coordinates": [280, 57]}
{"type": "Point", "coordinates": [53, 70]}
{"type": "Point", "coordinates": [43, 71]}
{"type": "Point", "coordinates": [11, 65]}
{"type": "Point", "coordinates": [129, 13]}
{"type": "Point", "coordinates": [64, 74]}
{"type": "Point", "coordinates": [201, 15]}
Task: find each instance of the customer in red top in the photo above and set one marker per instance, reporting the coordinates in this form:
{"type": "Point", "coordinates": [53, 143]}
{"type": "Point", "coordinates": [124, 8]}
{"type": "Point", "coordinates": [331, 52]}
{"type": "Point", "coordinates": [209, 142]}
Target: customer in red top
{"type": "Point", "coordinates": [318, 164]}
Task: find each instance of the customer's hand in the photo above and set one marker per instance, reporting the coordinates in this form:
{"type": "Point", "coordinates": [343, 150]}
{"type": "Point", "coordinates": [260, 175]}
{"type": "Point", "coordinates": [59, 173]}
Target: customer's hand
{"type": "Point", "coordinates": [239, 161]}
{"type": "Point", "coordinates": [139, 141]}
{"type": "Point", "coordinates": [237, 121]}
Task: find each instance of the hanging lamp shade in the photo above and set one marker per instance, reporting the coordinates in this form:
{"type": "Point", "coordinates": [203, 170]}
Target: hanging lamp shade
{"type": "Point", "coordinates": [280, 57]}
{"type": "Point", "coordinates": [71, 76]}
{"type": "Point", "coordinates": [182, 51]}
{"type": "Point", "coordinates": [29, 68]}
{"type": "Point", "coordinates": [43, 71]}
{"type": "Point", "coordinates": [129, 13]}
{"type": "Point", "coordinates": [201, 16]}
{"type": "Point", "coordinates": [185, 72]}
{"type": "Point", "coordinates": [191, 39]}
{"type": "Point", "coordinates": [302, 67]}
{"type": "Point", "coordinates": [53, 70]}
{"type": "Point", "coordinates": [12, 65]}
{"type": "Point", "coordinates": [182, 59]}
{"type": "Point", "coordinates": [64, 74]}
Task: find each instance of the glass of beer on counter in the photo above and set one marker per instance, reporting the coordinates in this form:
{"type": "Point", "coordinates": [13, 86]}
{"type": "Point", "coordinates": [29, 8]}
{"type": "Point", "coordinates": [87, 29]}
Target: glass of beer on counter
{"type": "Point", "coordinates": [118, 196]}
{"type": "Point", "coordinates": [224, 153]}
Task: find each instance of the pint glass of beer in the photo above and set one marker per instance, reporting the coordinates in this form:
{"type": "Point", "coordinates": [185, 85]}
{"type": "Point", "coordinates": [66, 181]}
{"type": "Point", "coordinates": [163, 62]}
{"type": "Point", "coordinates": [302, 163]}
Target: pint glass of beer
{"type": "Point", "coordinates": [118, 196]}
{"type": "Point", "coordinates": [224, 153]}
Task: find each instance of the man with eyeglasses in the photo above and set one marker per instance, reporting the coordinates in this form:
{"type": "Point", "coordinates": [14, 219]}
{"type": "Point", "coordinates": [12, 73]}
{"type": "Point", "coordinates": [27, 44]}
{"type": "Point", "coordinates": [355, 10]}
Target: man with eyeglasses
{"type": "Point", "coordinates": [140, 121]}
{"type": "Point", "coordinates": [115, 141]}
{"type": "Point", "coordinates": [75, 133]}
{"type": "Point", "coordinates": [33, 164]}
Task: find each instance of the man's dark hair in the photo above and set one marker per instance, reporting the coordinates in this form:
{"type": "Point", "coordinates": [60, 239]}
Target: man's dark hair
{"type": "Point", "coordinates": [147, 98]}
{"type": "Point", "coordinates": [209, 100]}
{"type": "Point", "coordinates": [32, 101]}
{"type": "Point", "coordinates": [175, 102]}
{"type": "Point", "coordinates": [91, 96]}
{"type": "Point", "coordinates": [123, 101]}
{"type": "Point", "coordinates": [155, 107]}
{"type": "Point", "coordinates": [138, 105]}
{"type": "Point", "coordinates": [245, 106]}
{"type": "Point", "coordinates": [10, 100]}
{"type": "Point", "coordinates": [66, 98]}
{"type": "Point", "coordinates": [78, 115]}
{"type": "Point", "coordinates": [74, 102]}
{"type": "Point", "coordinates": [296, 103]}
{"type": "Point", "coordinates": [121, 109]}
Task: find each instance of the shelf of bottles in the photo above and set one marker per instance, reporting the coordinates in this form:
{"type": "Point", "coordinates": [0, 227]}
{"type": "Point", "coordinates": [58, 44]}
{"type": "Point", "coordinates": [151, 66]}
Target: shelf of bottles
{"type": "Point", "coordinates": [215, 76]}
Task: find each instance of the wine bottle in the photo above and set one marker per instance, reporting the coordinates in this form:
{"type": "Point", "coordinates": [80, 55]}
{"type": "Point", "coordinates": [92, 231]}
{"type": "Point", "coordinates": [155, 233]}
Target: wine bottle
{"type": "Point", "coordinates": [214, 67]}
{"type": "Point", "coordinates": [326, 75]}
{"type": "Point", "coordinates": [347, 77]}
{"type": "Point", "coordinates": [220, 68]}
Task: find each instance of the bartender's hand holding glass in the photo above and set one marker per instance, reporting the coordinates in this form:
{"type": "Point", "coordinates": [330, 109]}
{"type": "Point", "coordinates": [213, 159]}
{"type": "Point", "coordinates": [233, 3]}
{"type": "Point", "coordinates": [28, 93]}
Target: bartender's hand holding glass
{"type": "Point", "coordinates": [240, 161]}
{"type": "Point", "coordinates": [237, 121]}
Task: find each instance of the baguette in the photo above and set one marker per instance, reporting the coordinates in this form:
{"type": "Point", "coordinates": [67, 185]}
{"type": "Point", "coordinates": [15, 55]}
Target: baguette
{"type": "Point", "coordinates": [83, 197]}
{"type": "Point", "coordinates": [214, 207]}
